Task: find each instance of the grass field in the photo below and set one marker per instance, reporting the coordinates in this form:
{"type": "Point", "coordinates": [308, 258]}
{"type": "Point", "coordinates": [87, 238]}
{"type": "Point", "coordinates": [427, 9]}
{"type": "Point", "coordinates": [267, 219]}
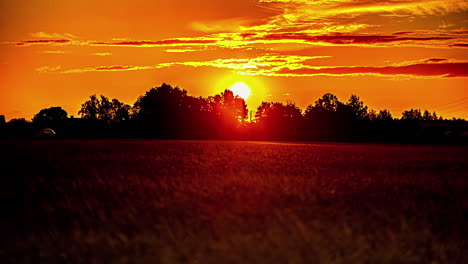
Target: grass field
{"type": "Point", "coordinates": [143, 201]}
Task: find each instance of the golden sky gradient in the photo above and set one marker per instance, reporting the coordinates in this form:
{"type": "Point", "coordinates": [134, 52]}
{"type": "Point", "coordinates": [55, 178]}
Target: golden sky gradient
{"type": "Point", "coordinates": [394, 54]}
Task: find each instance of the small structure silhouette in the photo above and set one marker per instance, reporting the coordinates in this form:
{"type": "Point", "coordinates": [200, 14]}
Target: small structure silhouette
{"type": "Point", "coordinates": [47, 133]}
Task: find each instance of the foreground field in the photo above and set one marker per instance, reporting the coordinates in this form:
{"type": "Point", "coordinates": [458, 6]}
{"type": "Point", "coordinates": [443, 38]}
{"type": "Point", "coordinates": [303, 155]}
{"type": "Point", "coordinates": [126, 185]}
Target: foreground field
{"type": "Point", "coordinates": [139, 201]}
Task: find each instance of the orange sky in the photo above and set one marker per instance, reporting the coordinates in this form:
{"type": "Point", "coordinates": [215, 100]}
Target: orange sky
{"type": "Point", "coordinates": [394, 54]}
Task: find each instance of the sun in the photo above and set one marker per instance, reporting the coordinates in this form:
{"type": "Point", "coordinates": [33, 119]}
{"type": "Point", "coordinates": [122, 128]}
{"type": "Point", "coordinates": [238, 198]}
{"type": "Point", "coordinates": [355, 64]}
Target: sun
{"type": "Point", "coordinates": [240, 89]}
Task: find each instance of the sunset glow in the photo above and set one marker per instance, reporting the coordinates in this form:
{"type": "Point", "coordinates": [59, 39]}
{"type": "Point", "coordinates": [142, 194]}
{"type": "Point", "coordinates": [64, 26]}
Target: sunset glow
{"type": "Point", "coordinates": [241, 89]}
{"type": "Point", "coordinates": [395, 55]}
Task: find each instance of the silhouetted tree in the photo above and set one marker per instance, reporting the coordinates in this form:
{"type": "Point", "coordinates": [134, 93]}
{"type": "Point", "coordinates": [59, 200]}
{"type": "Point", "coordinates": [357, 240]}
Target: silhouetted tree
{"type": "Point", "coordinates": [227, 105]}
{"type": "Point", "coordinates": [329, 119]}
{"type": "Point", "coordinates": [159, 102]}
{"type": "Point", "coordinates": [121, 111]}
{"type": "Point", "coordinates": [104, 109]}
{"type": "Point", "coordinates": [358, 107]}
{"type": "Point", "coordinates": [49, 116]}
{"type": "Point", "coordinates": [384, 115]}
{"type": "Point", "coordinates": [169, 112]}
{"type": "Point", "coordinates": [371, 115]}
{"type": "Point", "coordinates": [412, 114]}
{"type": "Point", "coordinates": [428, 116]}
{"type": "Point", "coordinates": [328, 102]}
{"type": "Point", "coordinates": [279, 121]}
{"type": "Point", "coordinates": [90, 108]}
{"type": "Point", "coordinates": [161, 111]}
{"type": "Point", "coordinates": [228, 112]}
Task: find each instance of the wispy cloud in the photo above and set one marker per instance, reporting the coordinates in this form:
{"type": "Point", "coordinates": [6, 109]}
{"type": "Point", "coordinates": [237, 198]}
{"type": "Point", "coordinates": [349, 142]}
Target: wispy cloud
{"type": "Point", "coordinates": [43, 41]}
{"type": "Point", "coordinates": [48, 69]}
{"type": "Point", "coordinates": [225, 25]}
{"type": "Point", "coordinates": [102, 54]}
{"type": "Point", "coordinates": [300, 66]}
{"type": "Point", "coordinates": [314, 8]}
{"type": "Point", "coordinates": [284, 65]}
{"type": "Point", "coordinates": [259, 65]}
{"type": "Point", "coordinates": [244, 40]}
{"type": "Point", "coordinates": [45, 35]}
{"type": "Point", "coordinates": [54, 52]}
{"type": "Point", "coordinates": [111, 68]}
{"type": "Point", "coordinates": [459, 45]}
{"type": "Point", "coordinates": [180, 50]}
{"type": "Point", "coordinates": [343, 39]}
{"type": "Point", "coordinates": [307, 22]}
{"type": "Point", "coordinates": [256, 64]}
{"type": "Point", "coordinates": [158, 43]}
{"type": "Point", "coordinates": [415, 70]}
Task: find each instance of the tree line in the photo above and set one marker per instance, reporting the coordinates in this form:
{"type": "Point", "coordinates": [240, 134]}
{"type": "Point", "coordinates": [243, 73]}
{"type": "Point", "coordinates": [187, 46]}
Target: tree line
{"type": "Point", "coordinates": [168, 112]}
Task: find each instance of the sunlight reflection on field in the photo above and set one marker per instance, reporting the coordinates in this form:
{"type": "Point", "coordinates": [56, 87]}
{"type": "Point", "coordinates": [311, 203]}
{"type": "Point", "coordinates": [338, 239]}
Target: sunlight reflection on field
{"type": "Point", "coordinates": [261, 202]}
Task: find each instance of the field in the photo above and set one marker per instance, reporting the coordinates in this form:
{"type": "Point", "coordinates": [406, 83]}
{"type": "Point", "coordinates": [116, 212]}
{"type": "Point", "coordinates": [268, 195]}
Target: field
{"type": "Point", "coordinates": [144, 201]}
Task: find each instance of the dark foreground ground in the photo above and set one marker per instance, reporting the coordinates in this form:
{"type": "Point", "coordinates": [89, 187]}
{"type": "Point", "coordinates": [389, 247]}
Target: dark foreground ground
{"type": "Point", "coordinates": [137, 201]}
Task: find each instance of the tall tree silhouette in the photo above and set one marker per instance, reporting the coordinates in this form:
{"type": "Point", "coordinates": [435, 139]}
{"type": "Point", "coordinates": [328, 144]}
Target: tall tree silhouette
{"type": "Point", "coordinates": [226, 105]}
{"type": "Point", "coordinates": [372, 115]}
{"type": "Point", "coordinates": [121, 111]}
{"type": "Point", "coordinates": [228, 112]}
{"type": "Point", "coordinates": [104, 109]}
{"type": "Point", "coordinates": [384, 115]}
{"type": "Point", "coordinates": [329, 119]}
{"type": "Point", "coordinates": [90, 108]}
{"type": "Point", "coordinates": [428, 116]}
{"type": "Point", "coordinates": [328, 102]}
{"type": "Point", "coordinates": [161, 110]}
{"type": "Point", "coordinates": [357, 106]}
{"type": "Point", "coordinates": [412, 114]}
{"type": "Point", "coordinates": [279, 121]}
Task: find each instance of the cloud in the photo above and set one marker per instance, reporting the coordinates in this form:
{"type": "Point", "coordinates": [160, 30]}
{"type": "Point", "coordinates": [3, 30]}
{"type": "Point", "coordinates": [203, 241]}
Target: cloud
{"type": "Point", "coordinates": [102, 54]}
{"type": "Point", "coordinates": [180, 50]}
{"type": "Point", "coordinates": [422, 69]}
{"type": "Point", "coordinates": [43, 41]}
{"type": "Point", "coordinates": [176, 42]}
{"type": "Point", "coordinates": [358, 17]}
{"type": "Point", "coordinates": [225, 25]}
{"type": "Point", "coordinates": [340, 39]}
{"type": "Point", "coordinates": [321, 8]}
{"type": "Point", "coordinates": [310, 22]}
{"type": "Point", "coordinates": [243, 64]}
{"type": "Point", "coordinates": [55, 52]}
{"type": "Point", "coordinates": [48, 69]}
{"type": "Point", "coordinates": [44, 35]}
{"type": "Point", "coordinates": [49, 38]}
{"type": "Point", "coordinates": [439, 32]}
{"type": "Point", "coordinates": [296, 66]}
{"type": "Point", "coordinates": [248, 39]}
{"type": "Point", "coordinates": [111, 68]}
{"type": "Point", "coordinates": [258, 65]}
{"type": "Point", "coordinates": [435, 60]}
{"type": "Point", "coordinates": [460, 45]}
{"type": "Point", "coordinates": [159, 43]}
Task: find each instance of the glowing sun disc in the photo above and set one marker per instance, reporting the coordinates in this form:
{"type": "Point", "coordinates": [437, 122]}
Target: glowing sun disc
{"type": "Point", "coordinates": [240, 89]}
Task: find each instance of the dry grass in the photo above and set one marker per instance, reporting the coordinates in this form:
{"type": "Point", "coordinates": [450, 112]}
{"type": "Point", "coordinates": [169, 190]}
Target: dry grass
{"type": "Point", "coordinates": [137, 201]}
